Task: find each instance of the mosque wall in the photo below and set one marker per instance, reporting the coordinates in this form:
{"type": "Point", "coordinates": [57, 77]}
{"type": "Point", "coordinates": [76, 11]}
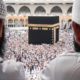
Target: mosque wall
{"type": "Point", "coordinates": [17, 14]}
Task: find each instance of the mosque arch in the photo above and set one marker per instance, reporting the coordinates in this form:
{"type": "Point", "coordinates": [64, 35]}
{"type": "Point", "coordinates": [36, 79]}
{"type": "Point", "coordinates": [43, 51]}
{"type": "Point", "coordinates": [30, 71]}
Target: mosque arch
{"type": "Point", "coordinates": [10, 23]}
{"type": "Point", "coordinates": [56, 9]}
{"type": "Point", "coordinates": [69, 11]}
{"type": "Point", "coordinates": [40, 10]}
{"type": "Point", "coordinates": [10, 10]}
{"type": "Point", "coordinates": [24, 10]}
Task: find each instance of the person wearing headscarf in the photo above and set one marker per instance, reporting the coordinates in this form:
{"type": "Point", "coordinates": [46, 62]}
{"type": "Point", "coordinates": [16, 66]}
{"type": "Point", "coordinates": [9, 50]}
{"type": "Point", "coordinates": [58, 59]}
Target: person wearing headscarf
{"type": "Point", "coordinates": [66, 66]}
{"type": "Point", "coordinates": [9, 69]}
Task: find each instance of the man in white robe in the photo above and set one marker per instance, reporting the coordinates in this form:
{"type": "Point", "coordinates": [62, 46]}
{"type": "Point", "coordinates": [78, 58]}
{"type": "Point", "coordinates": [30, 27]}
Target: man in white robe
{"type": "Point", "coordinates": [67, 65]}
{"type": "Point", "coordinates": [9, 69]}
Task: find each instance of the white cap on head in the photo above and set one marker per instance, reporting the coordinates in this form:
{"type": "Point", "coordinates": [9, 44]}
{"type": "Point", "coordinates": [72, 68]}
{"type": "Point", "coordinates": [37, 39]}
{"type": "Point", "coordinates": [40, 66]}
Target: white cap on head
{"type": "Point", "coordinates": [76, 12]}
{"type": "Point", "coordinates": [3, 10]}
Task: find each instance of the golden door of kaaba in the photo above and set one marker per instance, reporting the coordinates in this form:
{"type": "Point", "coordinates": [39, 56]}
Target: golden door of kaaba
{"type": "Point", "coordinates": [43, 29]}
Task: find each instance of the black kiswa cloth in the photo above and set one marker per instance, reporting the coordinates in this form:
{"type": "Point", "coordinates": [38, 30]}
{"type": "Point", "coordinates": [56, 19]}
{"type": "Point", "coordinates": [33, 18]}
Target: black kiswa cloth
{"type": "Point", "coordinates": [43, 20]}
{"type": "Point", "coordinates": [43, 29]}
{"type": "Point", "coordinates": [40, 36]}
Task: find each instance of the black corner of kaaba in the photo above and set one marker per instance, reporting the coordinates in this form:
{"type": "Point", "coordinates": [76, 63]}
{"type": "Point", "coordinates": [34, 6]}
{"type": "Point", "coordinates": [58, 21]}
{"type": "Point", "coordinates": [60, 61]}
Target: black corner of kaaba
{"type": "Point", "coordinates": [43, 29]}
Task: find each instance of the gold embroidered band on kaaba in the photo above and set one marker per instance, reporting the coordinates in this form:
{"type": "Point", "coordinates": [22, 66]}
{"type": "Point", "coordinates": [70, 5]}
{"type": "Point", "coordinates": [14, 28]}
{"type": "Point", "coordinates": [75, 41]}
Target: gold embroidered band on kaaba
{"type": "Point", "coordinates": [43, 25]}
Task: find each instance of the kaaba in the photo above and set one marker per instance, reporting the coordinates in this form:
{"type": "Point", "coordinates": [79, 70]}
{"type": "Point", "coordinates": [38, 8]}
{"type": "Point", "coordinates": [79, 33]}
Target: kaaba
{"type": "Point", "coordinates": [43, 29]}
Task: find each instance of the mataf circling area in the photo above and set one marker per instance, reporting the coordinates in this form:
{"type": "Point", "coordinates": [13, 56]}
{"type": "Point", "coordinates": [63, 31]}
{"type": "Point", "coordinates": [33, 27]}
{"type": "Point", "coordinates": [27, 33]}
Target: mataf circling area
{"type": "Point", "coordinates": [35, 57]}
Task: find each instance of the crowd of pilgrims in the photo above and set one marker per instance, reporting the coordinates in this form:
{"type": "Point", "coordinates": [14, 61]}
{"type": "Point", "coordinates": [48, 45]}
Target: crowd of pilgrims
{"type": "Point", "coordinates": [34, 57]}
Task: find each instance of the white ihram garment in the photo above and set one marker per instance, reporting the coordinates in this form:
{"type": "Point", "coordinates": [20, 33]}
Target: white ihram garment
{"type": "Point", "coordinates": [64, 67]}
{"type": "Point", "coordinates": [11, 70]}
